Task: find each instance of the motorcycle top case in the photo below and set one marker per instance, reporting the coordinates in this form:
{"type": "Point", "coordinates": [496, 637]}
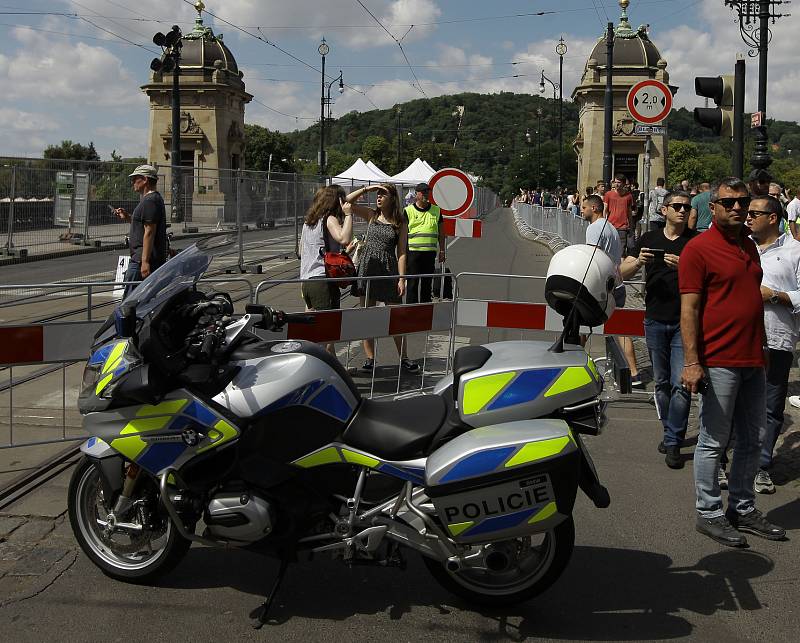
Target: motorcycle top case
{"type": "Point", "coordinates": [524, 379]}
{"type": "Point", "coordinates": [504, 481]}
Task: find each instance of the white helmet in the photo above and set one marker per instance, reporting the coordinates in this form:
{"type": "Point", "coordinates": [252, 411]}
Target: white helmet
{"type": "Point", "coordinates": [584, 277]}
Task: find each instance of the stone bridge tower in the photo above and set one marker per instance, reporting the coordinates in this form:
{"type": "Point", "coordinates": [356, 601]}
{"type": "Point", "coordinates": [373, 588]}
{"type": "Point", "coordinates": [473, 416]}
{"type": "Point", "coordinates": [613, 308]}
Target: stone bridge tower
{"type": "Point", "coordinates": [213, 98]}
{"type": "Point", "coordinates": [635, 58]}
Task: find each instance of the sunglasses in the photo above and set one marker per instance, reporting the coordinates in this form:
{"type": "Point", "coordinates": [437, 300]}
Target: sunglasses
{"type": "Point", "coordinates": [754, 214]}
{"type": "Point", "coordinates": [730, 201]}
{"type": "Point", "coordinates": [680, 207]}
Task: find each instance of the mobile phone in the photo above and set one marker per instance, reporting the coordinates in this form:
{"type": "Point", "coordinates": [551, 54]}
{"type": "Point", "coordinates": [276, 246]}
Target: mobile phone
{"type": "Point", "coordinates": [658, 254]}
{"type": "Point", "coordinates": [702, 386]}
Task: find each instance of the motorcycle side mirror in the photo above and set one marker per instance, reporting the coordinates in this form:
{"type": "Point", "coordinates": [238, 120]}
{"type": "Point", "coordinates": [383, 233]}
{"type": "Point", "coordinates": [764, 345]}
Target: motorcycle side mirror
{"type": "Point", "coordinates": [126, 320]}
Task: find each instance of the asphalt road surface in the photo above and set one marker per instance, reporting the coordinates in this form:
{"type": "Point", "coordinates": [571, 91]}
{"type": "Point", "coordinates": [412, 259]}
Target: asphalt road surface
{"type": "Point", "coordinates": [639, 570]}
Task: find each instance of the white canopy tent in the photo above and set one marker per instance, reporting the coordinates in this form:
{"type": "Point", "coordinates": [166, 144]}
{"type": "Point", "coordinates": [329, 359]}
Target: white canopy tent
{"type": "Point", "coordinates": [417, 172]}
{"type": "Point", "coordinates": [384, 177]}
{"type": "Point", "coordinates": [359, 173]}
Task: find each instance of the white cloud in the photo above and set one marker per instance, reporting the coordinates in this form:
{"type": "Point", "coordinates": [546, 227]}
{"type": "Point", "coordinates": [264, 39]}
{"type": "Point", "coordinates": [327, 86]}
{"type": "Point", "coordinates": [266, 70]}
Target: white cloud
{"type": "Point", "coordinates": [21, 121]}
{"type": "Point", "coordinates": [331, 19]}
{"type": "Point", "coordinates": [45, 69]}
{"type": "Point", "coordinates": [23, 131]}
{"type": "Point", "coordinates": [709, 49]}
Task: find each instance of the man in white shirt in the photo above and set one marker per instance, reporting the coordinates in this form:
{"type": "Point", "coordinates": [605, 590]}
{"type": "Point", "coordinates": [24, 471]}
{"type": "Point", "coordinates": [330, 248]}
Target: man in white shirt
{"type": "Point", "coordinates": [602, 234]}
{"type": "Point", "coordinates": [780, 290]}
{"type": "Point", "coordinates": [793, 213]}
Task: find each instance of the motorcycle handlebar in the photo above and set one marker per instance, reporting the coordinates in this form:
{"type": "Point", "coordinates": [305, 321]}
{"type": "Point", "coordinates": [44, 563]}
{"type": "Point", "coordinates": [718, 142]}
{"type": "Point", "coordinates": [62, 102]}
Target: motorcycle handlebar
{"type": "Point", "coordinates": [277, 318]}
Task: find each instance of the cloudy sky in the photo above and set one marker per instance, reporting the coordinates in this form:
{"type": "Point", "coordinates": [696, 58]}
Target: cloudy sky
{"type": "Point", "coordinates": [72, 70]}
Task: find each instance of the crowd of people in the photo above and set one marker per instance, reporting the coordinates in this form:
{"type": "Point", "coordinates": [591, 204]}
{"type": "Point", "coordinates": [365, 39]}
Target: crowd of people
{"type": "Point", "coordinates": [722, 317]}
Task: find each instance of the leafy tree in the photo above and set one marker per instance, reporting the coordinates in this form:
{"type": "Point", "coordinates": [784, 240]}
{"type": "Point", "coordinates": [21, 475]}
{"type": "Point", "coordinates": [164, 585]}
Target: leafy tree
{"type": "Point", "coordinates": [260, 142]}
{"type": "Point", "coordinates": [337, 161]}
{"type": "Point", "coordinates": [685, 162]}
{"type": "Point", "coordinates": [378, 150]}
{"type": "Point", "coordinates": [71, 151]}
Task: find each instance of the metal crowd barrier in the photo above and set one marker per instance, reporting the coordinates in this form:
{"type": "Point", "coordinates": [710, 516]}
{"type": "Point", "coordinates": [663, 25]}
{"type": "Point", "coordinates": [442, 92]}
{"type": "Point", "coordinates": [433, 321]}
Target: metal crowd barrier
{"type": "Point", "coordinates": [553, 226]}
{"type": "Point", "coordinates": [49, 206]}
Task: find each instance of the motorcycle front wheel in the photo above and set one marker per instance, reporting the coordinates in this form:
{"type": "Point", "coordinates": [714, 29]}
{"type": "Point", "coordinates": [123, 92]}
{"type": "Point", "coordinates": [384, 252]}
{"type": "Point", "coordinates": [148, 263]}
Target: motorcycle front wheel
{"type": "Point", "coordinates": [136, 554]}
{"type": "Point", "coordinates": [516, 570]}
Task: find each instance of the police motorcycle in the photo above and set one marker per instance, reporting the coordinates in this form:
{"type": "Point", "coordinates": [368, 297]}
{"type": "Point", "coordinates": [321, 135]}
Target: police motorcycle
{"type": "Point", "coordinates": [204, 432]}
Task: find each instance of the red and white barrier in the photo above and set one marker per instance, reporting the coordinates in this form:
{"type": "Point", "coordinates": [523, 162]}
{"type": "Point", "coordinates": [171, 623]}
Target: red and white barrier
{"type": "Point", "coordinates": [46, 343]}
{"type": "Point", "coordinates": [471, 228]}
{"type": "Point", "coordinates": [503, 314]}
{"type": "Point", "coordinates": [378, 321]}
{"type": "Point", "coordinates": [70, 341]}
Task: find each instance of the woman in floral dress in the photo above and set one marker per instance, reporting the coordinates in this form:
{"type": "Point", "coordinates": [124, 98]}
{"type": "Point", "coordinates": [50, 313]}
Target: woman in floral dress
{"type": "Point", "coordinates": [383, 252]}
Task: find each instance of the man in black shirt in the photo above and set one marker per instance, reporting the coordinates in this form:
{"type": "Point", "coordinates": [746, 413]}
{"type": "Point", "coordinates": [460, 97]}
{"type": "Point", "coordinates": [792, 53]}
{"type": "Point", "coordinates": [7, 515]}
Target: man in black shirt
{"type": "Point", "coordinates": [659, 251]}
{"type": "Point", "coordinates": [148, 234]}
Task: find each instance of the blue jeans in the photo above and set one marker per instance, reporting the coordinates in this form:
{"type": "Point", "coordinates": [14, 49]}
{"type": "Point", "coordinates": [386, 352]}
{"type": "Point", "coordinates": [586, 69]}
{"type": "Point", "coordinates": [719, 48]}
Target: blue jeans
{"type": "Point", "coordinates": [673, 401]}
{"type": "Point", "coordinates": [777, 386]}
{"type": "Point", "coordinates": [133, 273]}
{"type": "Point", "coordinates": [733, 404]}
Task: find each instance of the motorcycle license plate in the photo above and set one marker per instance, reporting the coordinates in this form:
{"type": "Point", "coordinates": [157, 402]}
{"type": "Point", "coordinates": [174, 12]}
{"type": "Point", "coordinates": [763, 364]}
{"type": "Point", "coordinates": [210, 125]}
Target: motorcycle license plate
{"type": "Point", "coordinates": [526, 495]}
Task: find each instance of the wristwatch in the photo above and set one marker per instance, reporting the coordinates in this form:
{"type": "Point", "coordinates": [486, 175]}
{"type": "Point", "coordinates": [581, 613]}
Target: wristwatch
{"type": "Point", "coordinates": [774, 299]}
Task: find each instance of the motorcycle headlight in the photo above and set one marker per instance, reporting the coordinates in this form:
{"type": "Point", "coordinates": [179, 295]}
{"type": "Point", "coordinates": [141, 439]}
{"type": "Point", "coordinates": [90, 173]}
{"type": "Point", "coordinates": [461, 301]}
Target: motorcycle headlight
{"type": "Point", "coordinates": [91, 375]}
{"type": "Point", "coordinates": [106, 366]}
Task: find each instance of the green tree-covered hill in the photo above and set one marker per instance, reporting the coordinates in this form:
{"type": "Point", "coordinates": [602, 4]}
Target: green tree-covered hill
{"type": "Point", "coordinates": [502, 139]}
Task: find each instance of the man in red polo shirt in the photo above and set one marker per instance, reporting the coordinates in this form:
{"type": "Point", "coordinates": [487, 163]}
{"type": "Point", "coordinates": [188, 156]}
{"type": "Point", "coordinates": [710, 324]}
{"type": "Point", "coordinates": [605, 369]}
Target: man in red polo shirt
{"type": "Point", "coordinates": [722, 325]}
{"type": "Point", "coordinates": [618, 210]}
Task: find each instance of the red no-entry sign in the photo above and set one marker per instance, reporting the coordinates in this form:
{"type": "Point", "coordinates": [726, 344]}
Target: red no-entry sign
{"type": "Point", "coordinates": [452, 191]}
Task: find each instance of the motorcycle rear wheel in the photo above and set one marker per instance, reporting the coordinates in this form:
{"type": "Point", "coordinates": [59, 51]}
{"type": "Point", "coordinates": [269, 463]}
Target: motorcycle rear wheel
{"type": "Point", "coordinates": [532, 572]}
{"type": "Point", "coordinates": [125, 557]}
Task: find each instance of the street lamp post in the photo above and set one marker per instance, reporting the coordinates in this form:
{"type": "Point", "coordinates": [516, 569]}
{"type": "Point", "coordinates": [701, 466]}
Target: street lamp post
{"type": "Point", "coordinates": [556, 87]}
{"type": "Point", "coordinates": [323, 50]}
{"type": "Point", "coordinates": [399, 140]}
{"type": "Point", "coordinates": [539, 146]}
{"type": "Point", "coordinates": [754, 19]}
{"type": "Point", "coordinates": [170, 62]}
{"type": "Point", "coordinates": [561, 49]}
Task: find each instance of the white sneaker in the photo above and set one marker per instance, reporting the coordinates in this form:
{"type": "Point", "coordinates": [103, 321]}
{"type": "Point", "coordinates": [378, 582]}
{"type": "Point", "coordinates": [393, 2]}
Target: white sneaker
{"type": "Point", "coordinates": [794, 400]}
{"type": "Point", "coordinates": [763, 482]}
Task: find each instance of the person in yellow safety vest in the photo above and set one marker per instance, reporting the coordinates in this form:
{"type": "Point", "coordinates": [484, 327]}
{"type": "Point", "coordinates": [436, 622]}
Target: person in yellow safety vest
{"type": "Point", "coordinates": [425, 237]}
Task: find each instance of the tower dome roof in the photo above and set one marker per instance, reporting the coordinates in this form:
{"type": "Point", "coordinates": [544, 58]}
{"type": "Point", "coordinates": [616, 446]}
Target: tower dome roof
{"type": "Point", "coordinates": [637, 51]}
{"type": "Point", "coordinates": [201, 49]}
{"type": "Point", "coordinates": [632, 47]}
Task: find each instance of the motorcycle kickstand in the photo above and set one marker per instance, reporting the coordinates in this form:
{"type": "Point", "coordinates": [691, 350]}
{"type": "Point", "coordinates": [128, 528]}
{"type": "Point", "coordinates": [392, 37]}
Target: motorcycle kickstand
{"type": "Point", "coordinates": [263, 611]}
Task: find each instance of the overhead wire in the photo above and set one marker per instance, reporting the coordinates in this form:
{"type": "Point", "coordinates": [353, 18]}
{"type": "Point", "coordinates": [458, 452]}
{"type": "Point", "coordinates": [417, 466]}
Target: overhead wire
{"type": "Point", "coordinates": [399, 44]}
{"type": "Point", "coordinates": [269, 42]}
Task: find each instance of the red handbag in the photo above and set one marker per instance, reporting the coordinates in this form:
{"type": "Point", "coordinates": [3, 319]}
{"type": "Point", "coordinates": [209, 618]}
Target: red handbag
{"type": "Point", "coordinates": [337, 264]}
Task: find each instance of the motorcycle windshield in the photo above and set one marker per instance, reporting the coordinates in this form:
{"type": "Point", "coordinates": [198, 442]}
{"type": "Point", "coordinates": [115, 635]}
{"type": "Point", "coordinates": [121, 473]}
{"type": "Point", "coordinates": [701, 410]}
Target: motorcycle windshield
{"type": "Point", "coordinates": [179, 273]}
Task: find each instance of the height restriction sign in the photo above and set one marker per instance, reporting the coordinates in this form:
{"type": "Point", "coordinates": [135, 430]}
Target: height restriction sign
{"type": "Point", "coordinates": [649, 101]}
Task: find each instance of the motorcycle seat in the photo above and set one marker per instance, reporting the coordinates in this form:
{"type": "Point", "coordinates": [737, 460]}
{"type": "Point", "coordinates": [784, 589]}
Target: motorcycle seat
{"type": "Point", "coordinates": [396, 429]}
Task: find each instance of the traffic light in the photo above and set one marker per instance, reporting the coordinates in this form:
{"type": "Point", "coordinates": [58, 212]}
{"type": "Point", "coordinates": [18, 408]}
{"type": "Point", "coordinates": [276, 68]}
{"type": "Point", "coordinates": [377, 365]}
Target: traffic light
{"type": "Point", "coordinates": [718, 119]}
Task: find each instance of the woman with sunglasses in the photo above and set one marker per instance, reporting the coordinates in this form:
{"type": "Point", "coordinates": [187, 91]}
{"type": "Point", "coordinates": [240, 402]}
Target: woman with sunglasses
{"type": "Point", "coordinates": [383, 253]}
{"type": "Point", "coordinates": [658, 251]}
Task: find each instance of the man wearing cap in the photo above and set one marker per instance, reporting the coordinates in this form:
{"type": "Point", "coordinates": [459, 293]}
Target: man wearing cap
{"type": "Point", "coordinates": [425, 236]}
{"type": "Point", "coordinates": [148, 234]}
